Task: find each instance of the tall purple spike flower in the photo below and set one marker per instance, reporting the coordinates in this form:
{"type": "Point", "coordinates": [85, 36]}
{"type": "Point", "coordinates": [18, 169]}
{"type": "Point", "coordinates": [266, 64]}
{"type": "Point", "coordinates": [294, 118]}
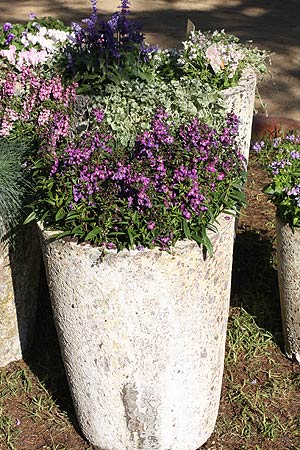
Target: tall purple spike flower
{"type": "Point", "coordinates": [94, 7]}
{"type": "Point", "coordinates": [125, 7]}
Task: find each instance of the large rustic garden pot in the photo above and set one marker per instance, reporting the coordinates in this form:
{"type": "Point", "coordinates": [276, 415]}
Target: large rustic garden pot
{"type": "Point", "coordinates": [240, 100]}
{"type": "Point", "coordinates": [142, 334]}
{"type": "Point", "coordinates": [19, 282]}
{"type": "Point", "coordinates": [288, 256]}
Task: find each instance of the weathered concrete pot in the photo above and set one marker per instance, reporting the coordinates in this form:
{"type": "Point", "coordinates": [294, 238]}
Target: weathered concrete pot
{"type": "Point", "coordinates": [142, 334]}
{"type": "Point", "coordinates": [240, 100]}
{"type": "Point", "coordinates": [19, 282]}
{"type": "Point", "coordinates": [288, 264]}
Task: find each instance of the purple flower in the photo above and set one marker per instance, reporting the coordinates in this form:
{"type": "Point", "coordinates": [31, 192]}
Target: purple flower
{"type": "Point", "coordinates": [294, 191]}
{"type": "Point", "coordinates": [276, 166]}
{"type": "Point", "coordinates": [151, 225]}
{"type": "Point", "coordinates": [258, 146]}
{"type": "Point", "coordinates": [7, 26]}
{"type": "Point", "coordinates": [9, 38]}
{"type": "Point", "coordinates": [295, 155]}
{"type": "Point", "coordinates": [124, 6]}
{"type": "Point", "coordinates": [99, 114]}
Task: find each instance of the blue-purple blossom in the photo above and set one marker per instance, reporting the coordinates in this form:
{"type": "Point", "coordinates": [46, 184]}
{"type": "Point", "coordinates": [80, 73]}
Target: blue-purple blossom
{"type": "Point", "coordinates": [276, 166]}
{"type": "Point", "coordinates": [294, 191]}
{"type": "Point", "coordinates": [10, 37]}
{"type": "Point", "coordinates": [7, 26]}
{"type": "Point", "coordinates": [295, 154]}
{"type": "Point", "coordinates": [125, 7]}
{"type": "Point", "coordinates": [107, 45]}
{"type": "Point", "coordinates": [258, 146]}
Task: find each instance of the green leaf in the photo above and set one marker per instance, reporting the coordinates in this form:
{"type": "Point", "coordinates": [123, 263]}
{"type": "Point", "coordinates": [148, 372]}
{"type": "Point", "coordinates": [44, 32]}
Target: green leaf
{"type": "Point", "coordinates": [186, 229]}
{"type": "Point", "coordinates": [60, 214]}
{"type": "Point", "coordinates": [207, 243]}
{"type": "Point", "coordinates": [93, 233]}
{"type": "Point", "coordinates": [30, 218]}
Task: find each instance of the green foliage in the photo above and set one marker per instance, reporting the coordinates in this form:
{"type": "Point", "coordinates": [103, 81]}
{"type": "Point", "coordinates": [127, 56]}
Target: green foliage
{"type": "Point", "coordinates": [13, 186]}
{"type": "Point", "coordinates": [281, 158]}
{"type": "Point", "coordinates": [130, 106]}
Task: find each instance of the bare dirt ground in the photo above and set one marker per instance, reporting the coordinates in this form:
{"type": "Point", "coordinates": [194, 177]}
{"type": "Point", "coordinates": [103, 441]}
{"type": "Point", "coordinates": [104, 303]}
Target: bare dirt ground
{"type": "Point", "coordinates": [271, 24]}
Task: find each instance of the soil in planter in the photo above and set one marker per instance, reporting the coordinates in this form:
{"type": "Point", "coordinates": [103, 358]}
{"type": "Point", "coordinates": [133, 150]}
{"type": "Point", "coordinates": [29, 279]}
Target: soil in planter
{"type": "Point", "coordinates": [261, 389]}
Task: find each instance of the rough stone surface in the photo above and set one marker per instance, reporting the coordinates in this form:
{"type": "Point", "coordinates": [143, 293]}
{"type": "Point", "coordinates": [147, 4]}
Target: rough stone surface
{"type": "Point", "coordinates": [240, 100]}
{"type": "Point", "coordinates": [19, 279]}
{"type": "Point", "coordinates": [288, 255]}
{"type": "Point", "coordinates": [142, 336]}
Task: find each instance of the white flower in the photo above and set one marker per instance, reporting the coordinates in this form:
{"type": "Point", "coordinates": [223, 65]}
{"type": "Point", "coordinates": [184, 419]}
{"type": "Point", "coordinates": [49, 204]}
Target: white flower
{"type": "Point", "coordinates": [58, 35]}
{"type": "Point", "coordinates": [32, 38]}
{"type": "Point", "coordinates": [214, 57]}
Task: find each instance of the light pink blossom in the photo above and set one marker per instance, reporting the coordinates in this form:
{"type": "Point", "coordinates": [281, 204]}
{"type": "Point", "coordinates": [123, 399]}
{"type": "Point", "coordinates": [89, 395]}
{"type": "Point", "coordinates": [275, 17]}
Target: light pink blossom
{"type": "Point", "coordinates": [215, 58]}
{"type": "Point", "coordinates": [10, 54]}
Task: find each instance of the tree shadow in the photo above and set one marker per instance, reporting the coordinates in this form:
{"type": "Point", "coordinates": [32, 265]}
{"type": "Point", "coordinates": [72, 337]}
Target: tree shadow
{"type": "Point", "coordinates": [254, 282]}
{"type": "Point", "coordinates": [24, 256]}
{"type": "Point", "coordinates": [45, 359]}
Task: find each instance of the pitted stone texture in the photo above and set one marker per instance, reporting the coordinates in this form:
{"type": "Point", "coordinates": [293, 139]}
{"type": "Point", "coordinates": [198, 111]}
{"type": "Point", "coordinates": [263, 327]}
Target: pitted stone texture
{"type": "Point", "coordinates": [240, 100]}
{"type": "Point", "coordinates": [19, 280]}
{"type": "Point", "coordinates": [142, 336]}
{"type": "Point", "coordinates": [288, 256]}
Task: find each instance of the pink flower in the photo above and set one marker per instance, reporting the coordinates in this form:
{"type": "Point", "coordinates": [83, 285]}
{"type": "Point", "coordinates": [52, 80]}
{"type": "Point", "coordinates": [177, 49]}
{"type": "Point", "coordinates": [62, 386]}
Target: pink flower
{"type": "Point", "coordinates": [10, 54]}
{"type": "Point", "coordinates": [44, 117]}
{"type": "Point", "coordinates": [31, 57]}
{"type": "Point", "coordinates": [214, 57]}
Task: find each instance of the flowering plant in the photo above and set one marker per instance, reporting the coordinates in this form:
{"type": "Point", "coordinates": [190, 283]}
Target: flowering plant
{"type": "Point", "coordinates": [33, 43]}
{"type": "Point", "coordinates": [217, 58]}
{"type": "Point", "coordinates": [29, 102]}
{"type": "Point", "coordinates": [171, 184]}
{"type": "Point", "coordinates": [281, 157]}
{"type": "Point", "coordinates": [152, 158]}
{"type": "Point", "coordinates": [104, 51]}
{"type": "Point", "coordinates": [109, 51]}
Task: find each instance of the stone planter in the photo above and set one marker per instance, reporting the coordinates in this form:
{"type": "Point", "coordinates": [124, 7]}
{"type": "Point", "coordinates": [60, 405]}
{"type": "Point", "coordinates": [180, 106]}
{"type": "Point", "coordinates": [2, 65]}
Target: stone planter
{"type": "Point", "coordinates": [19, 282]}
{"type": "Point", "coordinates": [288, 256]}
{"type": "Point", "coordinates": [240, 100]}
{"type": "Point", "coordinates": [142, 335]}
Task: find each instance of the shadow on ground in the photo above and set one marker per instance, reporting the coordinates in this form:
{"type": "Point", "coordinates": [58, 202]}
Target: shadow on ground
{"type": "Point", "coordinates": [45, 358]}
{"type": "Point", "coordinates": [254, 282]}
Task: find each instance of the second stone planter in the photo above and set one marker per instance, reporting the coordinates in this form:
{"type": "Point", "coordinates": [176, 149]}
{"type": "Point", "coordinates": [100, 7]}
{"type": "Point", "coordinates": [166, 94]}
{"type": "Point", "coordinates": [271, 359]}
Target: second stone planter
{"type": "Point", "coordinates": [19, 282]}
{"type": "Point", "coordinates": [240, 101]}
{"type": "Point", "coordinates": [142, 335]}
{"type": "Point", "coordinates": [288, 256]}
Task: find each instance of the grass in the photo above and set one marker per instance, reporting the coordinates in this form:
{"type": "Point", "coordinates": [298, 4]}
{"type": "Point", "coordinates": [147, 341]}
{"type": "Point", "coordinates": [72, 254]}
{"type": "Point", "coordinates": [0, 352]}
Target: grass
{"type": "Point", "coordinates": [260, 400]}
{"type": "Point", "coordinates": [13, 186]}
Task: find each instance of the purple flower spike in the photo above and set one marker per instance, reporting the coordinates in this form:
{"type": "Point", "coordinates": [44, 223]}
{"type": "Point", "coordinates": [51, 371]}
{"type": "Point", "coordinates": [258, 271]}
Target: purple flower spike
{"type": "Point", "coordinates": [94, 7]}
{"type": "Point", "coordinates": [7, 26]}
{"type": "Point", "coordinates": [125, 7]}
